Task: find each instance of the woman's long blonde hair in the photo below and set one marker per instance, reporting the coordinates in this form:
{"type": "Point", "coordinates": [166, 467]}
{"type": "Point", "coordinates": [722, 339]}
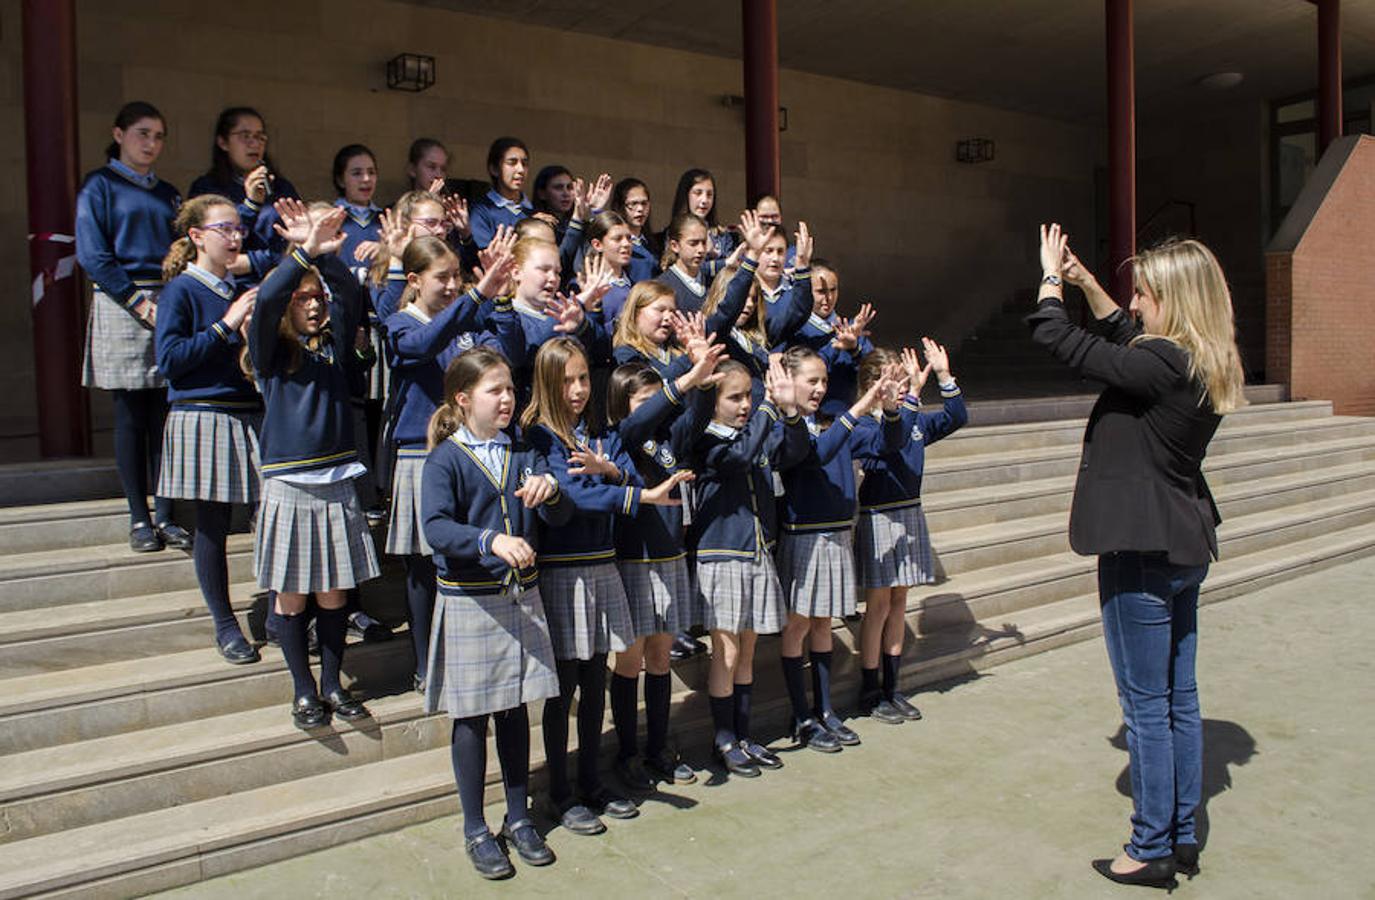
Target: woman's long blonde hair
{"type": "Point", "coordinates": [628, 332]}
{"type": "Point", "coordinates": [547, 404]}
{"type": "Point", "coordinates": [1196, 309]}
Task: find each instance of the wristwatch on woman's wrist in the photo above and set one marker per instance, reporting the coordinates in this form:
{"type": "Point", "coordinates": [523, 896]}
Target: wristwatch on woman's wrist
{"type": "Point", "coordinates": [1051, 280]}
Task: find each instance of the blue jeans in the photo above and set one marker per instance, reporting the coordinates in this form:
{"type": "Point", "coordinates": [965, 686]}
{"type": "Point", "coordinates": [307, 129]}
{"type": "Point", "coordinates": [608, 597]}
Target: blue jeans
{"type": "Point", "coordinates": [1150, 626]}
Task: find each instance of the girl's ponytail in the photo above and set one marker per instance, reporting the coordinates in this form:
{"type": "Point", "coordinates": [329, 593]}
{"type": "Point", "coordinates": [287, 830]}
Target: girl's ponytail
{"type": "Point", "coordinates": [443, 423]}
{"type": "Point", "coordinates": [179, 255]}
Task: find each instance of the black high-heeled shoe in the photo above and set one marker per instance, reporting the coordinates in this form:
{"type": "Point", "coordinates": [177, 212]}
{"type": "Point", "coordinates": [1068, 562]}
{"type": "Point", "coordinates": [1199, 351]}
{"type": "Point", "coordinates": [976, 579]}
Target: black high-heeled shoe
{"type": "Point", "coordinates": [1186, 859]}
{"type": "Point", "coordinates": [1156, 873]}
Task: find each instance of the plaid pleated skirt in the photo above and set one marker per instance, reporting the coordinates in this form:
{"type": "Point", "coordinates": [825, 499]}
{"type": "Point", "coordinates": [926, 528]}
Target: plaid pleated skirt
{"type": "Point", "coordinates": [660, 595]}
{"type": "Point", "coordinates": [817, 572]}
{"type": "Point", "coordinates": [120, 353]}
{"type": "Point", "coordinates": [379, 376]}
{"type": "Point", "coordinates": [894, 548]}
{"type": "Point", "coordinates": [312, 537]}
{"type": "Point", "coordinates": [488, 653]}
{"type": "Point", "coordinates": [740, 595]}
{"type": "Point", "coordinates": [210, 454]}
{"type": "Point", "coordinates": [405, 530]}
{"type": "Point", "coordinates": [587, 610]}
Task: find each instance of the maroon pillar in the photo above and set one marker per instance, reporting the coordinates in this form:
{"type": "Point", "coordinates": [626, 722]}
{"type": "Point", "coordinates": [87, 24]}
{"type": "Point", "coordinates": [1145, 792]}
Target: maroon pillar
{"type": "Point", "coordinates": [50, 150]}
{"type": "Point", "coordinates": [1329, 72]}
{"type": "Point", "coordinates": [1121, 148]}
{"type": "Point", "coordinates": [761, 98]}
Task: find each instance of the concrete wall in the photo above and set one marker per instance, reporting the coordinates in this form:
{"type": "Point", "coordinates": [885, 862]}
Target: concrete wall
{"type": "Point", "coordinates": [936, 243]}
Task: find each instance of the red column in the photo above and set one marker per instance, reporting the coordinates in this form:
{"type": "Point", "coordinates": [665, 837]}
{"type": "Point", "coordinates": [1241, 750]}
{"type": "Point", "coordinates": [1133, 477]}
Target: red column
{"type": "Point", "coordinates": [51, 153]}
{"type": "Point", "coordinates": [1329, 72]}
{"type": "Point", "coordinates": [761, 98]}
{"type": "Point", "coordinates": [1121, 147]}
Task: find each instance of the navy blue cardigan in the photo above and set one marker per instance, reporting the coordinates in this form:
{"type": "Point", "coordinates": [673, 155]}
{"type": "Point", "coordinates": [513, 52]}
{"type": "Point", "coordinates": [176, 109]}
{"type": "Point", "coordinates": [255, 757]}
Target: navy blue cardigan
{"type": "Point", "coordinates": [819, 486]}
{"type": "Point", "coordinates": [893, 479]}
{"type": "Point", "coordinates": [589, 538]}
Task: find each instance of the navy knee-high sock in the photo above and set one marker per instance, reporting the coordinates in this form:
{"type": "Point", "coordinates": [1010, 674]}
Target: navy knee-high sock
{"type": "Point", "coordinates": [723, 717]}
{"type": "Point", "coordinates": [591, 714]}
{"type": "Point", "coordinates": [555, 728]}
{"type": "Point", "coordinates": [131, 452]}
{"type": "Point", "coordinates": [744, 699]}
{"type": "Point", "coordinates": [420, 590]}
{"type": "Point", "coordinates": [513, 749]}
{"type": "Point", "coordinates": [821, 681]}
{"type": "Point", "coordinates": [868, 687]}
{"type": "Point", "coordinates": [331, 625]}
{"type": "Point", "coordinates": [658, 694]}
{"type": "Point", "coordinates": [623, 714]}
{"type": "Point", "coordinates": [291, 632]}
{"type": "Point", "coordinates": [156, 418]}
{"type": "Point", "coordinates": [797, 686]}
{"type": "Point", "coordinates": [468, 753]}
{"type": "Point", "coordinates": [212, 569]}
{"type": "Point", "coordinates": [891, 664]}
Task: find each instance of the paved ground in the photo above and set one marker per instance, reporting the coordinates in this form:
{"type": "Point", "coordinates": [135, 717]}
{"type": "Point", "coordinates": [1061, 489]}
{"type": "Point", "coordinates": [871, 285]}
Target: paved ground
{"type": "Point", "coordinates": [1009, 787]}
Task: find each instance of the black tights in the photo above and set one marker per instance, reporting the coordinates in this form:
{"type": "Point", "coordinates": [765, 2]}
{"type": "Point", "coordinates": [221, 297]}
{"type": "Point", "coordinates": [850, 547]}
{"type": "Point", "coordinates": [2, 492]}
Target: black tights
{"type": "Point", "coordinates": [468, 752]}
{"type": "Point", "coordinates": [420, 591]}
{"type": "Point", "coordinates": [212, 568]}
{"type": "Point", "coordinates": [139, 416]}
{"type": "Point", "coordinates": [586, 678]}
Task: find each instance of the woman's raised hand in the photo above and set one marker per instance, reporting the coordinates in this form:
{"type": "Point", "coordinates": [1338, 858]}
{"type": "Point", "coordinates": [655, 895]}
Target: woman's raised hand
{"type": "Point", "coordinates": [1053, 246]}
{"type": "Point", "coordinates": [778, 387]}
{"type": "Point", "coordinates": [497, 274]}
{"type": "Point", "coordinates": [916, 372]}
{"type": "Point", "coordinates": [849, 331]}
{"type": "Point", "coordinates": [595, 281]}
{"type": "Point", "coordinates": [393, 235]}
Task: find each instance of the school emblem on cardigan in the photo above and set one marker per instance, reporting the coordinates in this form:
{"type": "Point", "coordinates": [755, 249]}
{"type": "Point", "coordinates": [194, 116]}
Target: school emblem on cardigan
{"type": "Point", "coordinates": [916, 432]}
{"type": "Point", "coordinates": [465, 341]}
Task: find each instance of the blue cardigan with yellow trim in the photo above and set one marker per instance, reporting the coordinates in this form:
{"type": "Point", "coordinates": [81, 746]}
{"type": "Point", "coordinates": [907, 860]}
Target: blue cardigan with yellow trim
{"type": "Point", "coordinates": [819, 485]}
{"type": "Point", "coordinates": [464, 507]}
{"type": "Point", "coordinates": [893, 479]}
{"type": "Point", "coordinates": [589, 538]}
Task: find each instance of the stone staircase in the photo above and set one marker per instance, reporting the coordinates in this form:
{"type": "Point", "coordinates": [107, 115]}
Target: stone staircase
{"type": "Point", "coordinates": [133, 759]}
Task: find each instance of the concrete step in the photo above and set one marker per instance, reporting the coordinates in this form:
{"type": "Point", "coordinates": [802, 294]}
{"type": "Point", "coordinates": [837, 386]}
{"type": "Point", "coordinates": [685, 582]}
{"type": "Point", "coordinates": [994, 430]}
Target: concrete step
{"type": "Point", "coordinates": [54, 481]}
{"type": "Point", "coordinates": [991, 406]}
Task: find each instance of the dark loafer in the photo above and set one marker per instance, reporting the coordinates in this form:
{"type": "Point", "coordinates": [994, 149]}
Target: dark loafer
{"type": "Point", "coordinates": [737, 761]}
{"type": "Point", "coordinates": [668, 768]}
{"type": "Point", "coordinates": [308, 712]}
{"type": "Point", "coordinates": [761, 755]}
{"type": "Point", "coordinates": [173, 535]}
{"type": "Point", "coordinates": [346, 706]}
{"type": "Point", "coordinates": [578, 818]}
{"type": "Point", "coordinates": [365, 628]}
{"type": "Point", "coordinates": [486, 855]}
{"type": "Point", "coordinates": [885, 712]}
{"type": "Point", "coordinates": [527, 841]}
{"type": "Point", "coordinates": [631, 773]}
{"type": "Point", "coordinates": [685, 646]}
{"type": "Point", "coordinates": [1186, 859]}
{"type": "Point", "coordinates": [239, 651]}
{"type": "Point", "coordinates": [611, 804]}
{"type": "Point", "coordinates": [811, 733]}
{"type": "Point", "coordinates": [831, 722]}
{"type": "Point", "coordinates": [904, 706]}
{"type": "Point", "coordinates": [144, 539]}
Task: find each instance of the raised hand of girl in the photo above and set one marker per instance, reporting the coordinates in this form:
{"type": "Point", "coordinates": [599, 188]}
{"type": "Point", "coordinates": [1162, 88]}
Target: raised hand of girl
{"type": "Point", "coordinates": [513, 551]}
{"type": "Point", "coordinates": [936, 358]}
{"type": "Point", "coordinates": [587, 461]}
{"type": "Point", "coordinates": [437, 186]}
{"type": "Point", "coordinates": [568, 311]}
{"type": "Point", "coordinates": [497, 274]}
{"type": "Point", "coordinates": [241, 308]}
{"type": "Point", "coordinates": [803, 242]}
{"type": "Point", "coordinates": [456, 214]}
{"type": "Point", "coordinates": [756, 235]}
{"type": "Point", "coordinates": [325, 234]}
{"type": "Point", "coordinates": [891, 383]}
{"type": "Point", "coordinates": [295, 220]}
{"type": "Point", "coordinates": [595, 281]}
{"type": "Point", "coordinates": [393, 235]}
{"type": "Point", "coordinates": [503, 243]}
{"type": "Point", "coordinates": [916, 372]}
{"type": "Point", "coordinates": [688, 327]}
{"type": "Point", "coordinates": [366, 251]}
{"type": "Point", "coordinates": [536, 490]}
{"type": "Point", "coordinates": [703, 365]}
{"type": "Point", "coordinates": [849, 331]}
{"type": "Point", "coordinates": [778, 387]}
{"type": "Point", "coordinates": [599, 194]}
{"type": "Point", "coordinates": [659, 494]}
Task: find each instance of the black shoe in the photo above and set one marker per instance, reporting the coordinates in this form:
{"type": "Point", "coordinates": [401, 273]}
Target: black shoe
{"type": "Point", "coordinates": [577, 818]}
{"type": "Point", "coordinates": [487, 856]}
{"type": "Point", "coordinates": [239, 651]}
{"type": "Point", "coordinates": [668, 768]}
{"type": "Point", "coordinates": [527, 841]}
{"type": "Point", "coordinates": [904, 706]}
{"type": "Point", "coordinates": [611, 805]}
{"type": "Point", "coordinates": [762, 755]}
{"type": "Point", "coordinates": [308, 712]}
{"type": "Point", "coordinates": [346, 706]}
{"type": "Point", "coordinates": [883, 711]}
{"type": "Point", "coordinates": [811, 733]}
{"type": "Point", "coordinates": [831, 722]}
{"type": "Point", "coordinates": [143, 538]}
{"type": "Point", "coordinates": [685, 646]}
{"type": "Point", "coordinates": [365, 628]}
{"type": "Point", "coordinates": [174, 536]}
{"type": "Point", "coordinates": [632, 774]}
{"type": "Point", "coordinates": [737, 761]}
{"type": "Point", "coordinates": [1186, 859]}
{"type": "Point", "coordinates": [1156, 873]}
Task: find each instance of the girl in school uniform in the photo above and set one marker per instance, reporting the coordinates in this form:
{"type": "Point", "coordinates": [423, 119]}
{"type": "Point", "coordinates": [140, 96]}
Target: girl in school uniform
{"type": "Point", "coordinates": [893, 546]}
{"type": "Point", "coordinates": [435, 323]}
{"type": "Point", "coordinates": [656, 421]}
{"type": "Point", "coordinates": [685, 250]}
{"type": "Point", "coordinates": [552, 196]}
{"type": "Point", "coordinates": [508, 164]}
{"type": "Point", "coordinates": [415, 214]}
{"type": "Point", "coordinates": [311, 535]}
{"type": "Point", "coordinates": [355, 181]}
{"type": "Point", "coordinates": [589, 615]}
{"type": "Point", "coordinates": [645, 331]}
{"type": "Point", "coordinates": [696, 193]}
{"type": "Point", "coordinates": [545, 313]}
{"type": "Point", "coordinates": [241, 170]}
{"type": "Point", "coordinates": [608, 237]}
{"type": "Point", "coordinates": [427, 165]}
{"type": "Point", "coordinates": [124, 217]}
{"type": "Point", "coordinates": [482, 494]}
{"type": "Point", "coordinates": [210, 442]}
{"type": "Point", "coordinates": [734, 521]}
{"type": "Point", "coordinates": [816, 563]}
{"type": "Point", "coordinates": [630, 200]}
{"type": "Point", "coordinates": [842, 343]}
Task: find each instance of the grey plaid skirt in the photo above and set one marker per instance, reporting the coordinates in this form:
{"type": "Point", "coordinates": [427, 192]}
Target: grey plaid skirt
{"type": "Point", "coordinates": [210, 455]}
{"type": "Point", "coordinates": [379, 376]}
{"type": "Point", "coordinates": [312, 537]}
{"type": "Point", "coordinates": [488, 653]}
{"type": "Point", "coordinates": [894, 548]}
{"type": "Point", "coordinates": [120, 355]}
{"type": "Point", "coordinates": [817, 572]}
{"type": "Point", "coordinates": [405, 532]}
{"type": "Point", "coordinates": [587, 610]}
{"type": "Point", "coordinates": [660, 595]}
{"type": "Point", "coordinates": [740, 595]}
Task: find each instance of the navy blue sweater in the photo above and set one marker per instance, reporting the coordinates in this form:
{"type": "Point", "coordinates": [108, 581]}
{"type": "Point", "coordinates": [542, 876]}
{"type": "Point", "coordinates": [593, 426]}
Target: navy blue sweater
{"type": "Point", "coordinates": [669, 366]}
{"type": "Point", "coordinates": [819, 486]}
{"type": "Point", "coordinates": [357, 230]}
{"type": "Point", "coordinates": [781, 321]}
{"type": "Point", "coordinates": [538, 328]}
{"type": "Point", "coordinates": [197, 352]}
{"type": "Point", "coordinates": [893, 479]}
{"type": "Point", "coordinates": [494, 210]}
{"type": "Point", "coordinates": [308, 423]}
{"type": "Point", "coordinates": [688, 300]}
{"type": "Point", "coordinates": [257, 219]}
{"type": "Point", "coordinates": [589, 537]}
{"type": "Point", "coordinates": [464, 507]}
{"type": "Point", "coordinates": [842, 366]}
{"type": "Point", "coordinates": [123, 231]}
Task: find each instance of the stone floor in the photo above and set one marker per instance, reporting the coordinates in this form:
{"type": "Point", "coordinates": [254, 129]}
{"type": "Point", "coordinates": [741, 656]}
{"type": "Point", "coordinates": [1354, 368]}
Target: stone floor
{"type": "Point", "coordinates": [1009, 787]}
